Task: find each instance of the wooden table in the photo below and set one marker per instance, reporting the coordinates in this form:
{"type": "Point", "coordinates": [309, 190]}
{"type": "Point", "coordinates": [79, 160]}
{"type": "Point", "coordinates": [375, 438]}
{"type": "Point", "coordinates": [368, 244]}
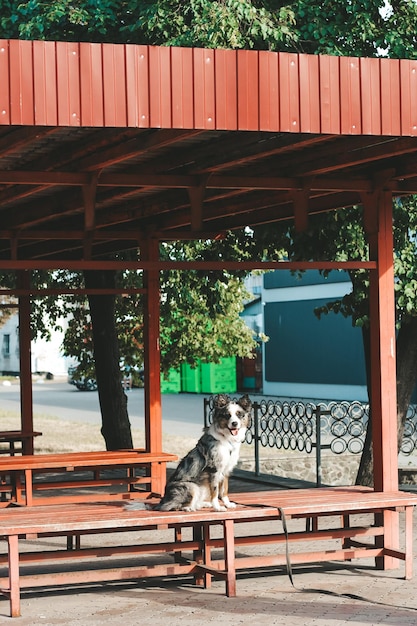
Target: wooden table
{"type": "Point", "coordinates": [11, 437]}
{"type": "Point", "coordinates": [83, 476]}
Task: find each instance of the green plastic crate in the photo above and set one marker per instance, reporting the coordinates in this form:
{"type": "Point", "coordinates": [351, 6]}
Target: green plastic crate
{"type": "Point", "coordinates": [190, 378]}
{"type": "Point", "coordinates": [172, 384]}
{"type": "Point", "coordinates": [219, 377]}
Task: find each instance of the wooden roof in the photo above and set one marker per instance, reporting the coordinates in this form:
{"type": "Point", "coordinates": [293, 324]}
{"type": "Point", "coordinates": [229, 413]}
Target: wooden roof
{"type": "Point", "coordinates": [102, 145]}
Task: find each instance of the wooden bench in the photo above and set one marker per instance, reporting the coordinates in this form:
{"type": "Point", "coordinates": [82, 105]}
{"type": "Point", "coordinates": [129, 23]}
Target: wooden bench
{"type": "Point", "coordinates": [83, 473]}
{"type": "Point", "coordinates": [191, 550]}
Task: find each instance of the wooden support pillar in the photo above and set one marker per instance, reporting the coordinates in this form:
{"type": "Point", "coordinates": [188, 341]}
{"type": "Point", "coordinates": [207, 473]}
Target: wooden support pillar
{"type": "Point", "coordinates": [152, 363]}
{"type": "Point", "coordinates": [382, 335]}
{"type": "Point", "coordinates": [196, 195]}
{"type": "Point", "coordinates": [301, 199]}
{"type": "Point", "coordinates": [383, 397]}
{"type": "Point", "coordinates": [26, 394]}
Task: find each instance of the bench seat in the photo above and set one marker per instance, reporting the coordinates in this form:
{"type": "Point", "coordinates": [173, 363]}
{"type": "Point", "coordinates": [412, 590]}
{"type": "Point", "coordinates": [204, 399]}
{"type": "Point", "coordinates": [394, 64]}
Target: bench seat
{"type": "Point", "coordinates": [192, 549]}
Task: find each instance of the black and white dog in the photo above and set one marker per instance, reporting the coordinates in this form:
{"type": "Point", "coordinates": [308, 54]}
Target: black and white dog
{"type": "Point", "coordinates": [201, 478]}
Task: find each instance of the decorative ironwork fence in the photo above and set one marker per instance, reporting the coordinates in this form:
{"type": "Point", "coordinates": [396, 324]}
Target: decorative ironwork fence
{"type": "Point", "coordinates": [339, 427]}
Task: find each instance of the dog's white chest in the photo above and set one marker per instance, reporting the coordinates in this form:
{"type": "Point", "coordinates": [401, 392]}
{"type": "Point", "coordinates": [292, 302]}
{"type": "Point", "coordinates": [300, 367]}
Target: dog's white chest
{"type": "Point", "coordinates": [229, 455]}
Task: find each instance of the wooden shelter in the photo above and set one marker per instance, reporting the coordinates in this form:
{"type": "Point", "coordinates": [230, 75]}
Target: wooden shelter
{"type": "Point", "coordinates": [106, 147]}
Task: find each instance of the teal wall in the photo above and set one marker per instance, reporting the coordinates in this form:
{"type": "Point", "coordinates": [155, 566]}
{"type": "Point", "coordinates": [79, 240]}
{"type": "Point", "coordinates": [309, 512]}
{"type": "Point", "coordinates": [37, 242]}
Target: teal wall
{"type": "Point", "coordinates": [304, 349]}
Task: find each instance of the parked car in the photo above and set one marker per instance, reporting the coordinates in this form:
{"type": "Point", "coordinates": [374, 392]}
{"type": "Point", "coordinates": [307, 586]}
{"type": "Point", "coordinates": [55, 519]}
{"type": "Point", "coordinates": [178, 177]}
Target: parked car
{"type": "Point", "coordinates": [86, 383]}
{"type": "Point", "coordinates": [83, 383]}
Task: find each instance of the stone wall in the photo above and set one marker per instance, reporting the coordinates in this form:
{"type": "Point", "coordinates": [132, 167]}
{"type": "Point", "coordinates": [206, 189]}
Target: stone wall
{"type": "Point", "coordinates": [336, 469]}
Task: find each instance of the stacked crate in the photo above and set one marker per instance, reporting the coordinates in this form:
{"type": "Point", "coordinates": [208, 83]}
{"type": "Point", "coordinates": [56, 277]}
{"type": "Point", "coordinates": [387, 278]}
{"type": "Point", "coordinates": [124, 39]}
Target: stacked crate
{"type": "Point", "coordinates": [219, 377]}
{"type": "Point", "coordinates": [191, 378]}
{"type": "Point", "coordinates": [204, 378]}
{"type": "Point", "coordinates": [172, 384]}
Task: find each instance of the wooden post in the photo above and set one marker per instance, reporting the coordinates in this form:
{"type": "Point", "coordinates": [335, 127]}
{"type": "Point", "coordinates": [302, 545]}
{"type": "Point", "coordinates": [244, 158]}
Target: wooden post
{"type": "Point", "coordinates": [383, 398]}
{"type": "Point", "coordinates": [382, 335]}
{"type": "Point", "coordinates": [26, 394]}
{"type": "Point", "coordinates": [152, 364]}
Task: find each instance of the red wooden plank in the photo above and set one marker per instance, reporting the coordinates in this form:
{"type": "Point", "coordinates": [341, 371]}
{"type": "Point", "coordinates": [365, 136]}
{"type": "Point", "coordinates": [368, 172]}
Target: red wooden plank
{"type": "Point", "coordinates": [68, 79]}
{"type": "Point", "coordinates": [329, 94]}
{"type": "Point", "coordinates": [4, 82]}
{"type": "Point", "coordinates": [204, 89]}
{"type": "Point", "coordinates": [268, 91]}
{"type": "Point", "coordinates": [160, 87]}
{"type": "Point", "coordinates": [309, 93]}
{"type": "Point", "coordinates": [370, 96]}
{"type": "Point", "coordinates": [21, 82]}
{"type": "Point", "coordinates": [182, 88]}
{"type": "Point", "coordinates": [390, 100]}
{"type": "Point", "coordinates": [247, 90]}
{"type": "Point", "coordinates": [226, 89]}
{"type": "Point", "coordinates": [137, 86]}
{"type": "Point", "coordinates": [289, 92]}
{"type": "Point", "coordinates": [91, 81]}
{"type": "Point", "coordinates": [114, 85]}
{"type": "Point", "coordinates": [350, 107]}
{"type": "Point", "coordinates": [45, 87]}
{"type": "Point", "coordinates": [408, 74]}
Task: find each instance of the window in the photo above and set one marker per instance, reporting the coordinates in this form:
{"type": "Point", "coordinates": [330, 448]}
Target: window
{"type": "Point", "coordinates": [6, 345]}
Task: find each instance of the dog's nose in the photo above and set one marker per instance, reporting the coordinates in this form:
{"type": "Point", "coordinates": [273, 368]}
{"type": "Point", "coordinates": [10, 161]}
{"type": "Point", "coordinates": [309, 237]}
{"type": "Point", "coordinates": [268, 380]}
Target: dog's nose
{"type": "Point", "coordinates": [235, 424]}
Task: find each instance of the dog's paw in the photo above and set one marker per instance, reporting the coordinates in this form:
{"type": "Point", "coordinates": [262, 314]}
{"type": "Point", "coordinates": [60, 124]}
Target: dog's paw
{"type": "Point", "coordinates": [219, 508]}
{"type": "Point", "coordinates": [228, 504]}
{"type": "Point", "coordinates": [137, 506]}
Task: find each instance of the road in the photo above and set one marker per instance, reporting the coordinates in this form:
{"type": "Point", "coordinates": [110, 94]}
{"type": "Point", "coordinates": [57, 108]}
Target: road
{"type": "Point", "coordinates": [182, 414]}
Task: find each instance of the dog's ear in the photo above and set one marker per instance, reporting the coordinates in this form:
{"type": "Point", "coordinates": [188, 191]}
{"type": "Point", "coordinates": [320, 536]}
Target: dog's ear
{"type": "Point", "coordinates": [221, 400]}
{"type": "Point", "coordinates": [245, 402]}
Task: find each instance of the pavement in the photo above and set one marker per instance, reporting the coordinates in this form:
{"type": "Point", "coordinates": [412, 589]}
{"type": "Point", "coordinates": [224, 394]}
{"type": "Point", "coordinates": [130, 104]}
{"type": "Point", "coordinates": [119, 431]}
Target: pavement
{"type": "Point", "coordinates": [329, 594]}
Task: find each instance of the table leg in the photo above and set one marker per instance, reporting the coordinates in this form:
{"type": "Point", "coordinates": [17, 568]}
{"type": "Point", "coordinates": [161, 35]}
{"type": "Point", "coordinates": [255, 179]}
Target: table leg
{"type": "Point", "coordinates": [229, 557]}
{"type": "Point", "coordinates": [14, 581]}
{"type": "Point", "coordinates": [409, 542]}
{"type": "Point", "coordinates": [29, 487]}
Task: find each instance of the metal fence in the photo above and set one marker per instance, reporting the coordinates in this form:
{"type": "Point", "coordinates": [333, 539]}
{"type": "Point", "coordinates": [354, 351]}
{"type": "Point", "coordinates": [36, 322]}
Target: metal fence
{"type": "Point", "coordinates": [339, 427]}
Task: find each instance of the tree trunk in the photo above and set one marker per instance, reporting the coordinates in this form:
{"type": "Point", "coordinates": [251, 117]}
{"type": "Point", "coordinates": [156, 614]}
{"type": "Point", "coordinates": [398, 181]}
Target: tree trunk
{"type": "Point", "coordinates": [113, 401]}
{"type": "Point", "coordinates": [406, 371]}
{"type": "Point", "coordinates": [365, 475]}
{"type": "Point", "coordinates": [406, 353]}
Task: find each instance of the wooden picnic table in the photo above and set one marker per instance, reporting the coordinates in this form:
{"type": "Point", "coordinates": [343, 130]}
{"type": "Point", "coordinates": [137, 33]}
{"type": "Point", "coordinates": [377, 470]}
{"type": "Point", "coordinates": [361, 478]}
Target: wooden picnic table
{"type": "Point", "coordinates": [11, 437]}
{"type": "Point", "coordinates": [83, 476]}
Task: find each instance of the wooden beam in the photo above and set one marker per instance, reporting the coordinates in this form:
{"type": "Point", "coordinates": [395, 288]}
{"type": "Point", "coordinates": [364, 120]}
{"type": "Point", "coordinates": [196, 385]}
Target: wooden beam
{"type": "Point", "coordinates": [179, 181]}
{"type": "Point", "coordinates": [52, 264]}
{"type": "Point", "coordinates": [301, 201]}
{"type": "Point", "coordinates": [62, 291]}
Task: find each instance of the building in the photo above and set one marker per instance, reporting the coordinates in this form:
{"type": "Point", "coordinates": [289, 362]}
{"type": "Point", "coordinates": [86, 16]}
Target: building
{"type": "Point", "coordinates": [307, 357]}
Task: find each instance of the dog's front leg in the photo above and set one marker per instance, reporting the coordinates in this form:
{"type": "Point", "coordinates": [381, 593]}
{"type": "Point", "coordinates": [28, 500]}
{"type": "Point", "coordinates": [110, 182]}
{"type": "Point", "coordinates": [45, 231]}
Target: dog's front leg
{"type": "Point", "coordinates": [223, 493]}
{"type": "Point", "coordinates": [214, 495]}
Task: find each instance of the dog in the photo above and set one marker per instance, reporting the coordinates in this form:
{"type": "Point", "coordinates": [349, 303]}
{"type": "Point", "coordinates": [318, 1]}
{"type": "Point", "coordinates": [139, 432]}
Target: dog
{"type": "Point", "coordinates": [201, 478]}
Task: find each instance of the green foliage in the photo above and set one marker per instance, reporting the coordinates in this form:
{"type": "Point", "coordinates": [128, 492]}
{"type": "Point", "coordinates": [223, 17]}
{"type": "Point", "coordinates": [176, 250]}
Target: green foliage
{"type": "Point", "coordinates": [330, 26]}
